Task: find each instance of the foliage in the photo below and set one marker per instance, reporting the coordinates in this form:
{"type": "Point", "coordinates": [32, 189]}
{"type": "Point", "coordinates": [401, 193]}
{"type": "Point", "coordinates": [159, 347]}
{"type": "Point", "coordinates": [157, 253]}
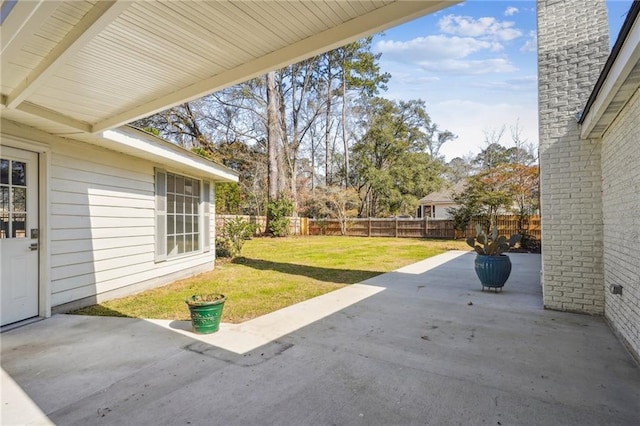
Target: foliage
{"type": "Point", "coordinates": [458, 169]}
{"type": "Point", "coordinates": [205, 299]}
{"type": "Point", "coordinates": [237, 230]}
{"type": "Point", "coordinates": [225, 248]}
{"type": "Point", "coordinates": [507, 180]}
{"type": "Point", "coordinates": [318, 121]}
{"type": "Point", "coordinates": [392, 169]}
{"type": "Point", "coordinates": [152, 130]}
{"type": "Point", "coordinates": [278, 213]}
{"type": "Point", "coordinates": [528, 243]}
{"type": "Point", "coordinates": [233, 236]}
{"type": "Point", "coordinates": [228, 198]}
{"type": "Point", "coordinates": [463, 215]}
{"type": "Point", "coordinates": [339, 203]}
{"type": "Point", "coordinates": [492, 244]}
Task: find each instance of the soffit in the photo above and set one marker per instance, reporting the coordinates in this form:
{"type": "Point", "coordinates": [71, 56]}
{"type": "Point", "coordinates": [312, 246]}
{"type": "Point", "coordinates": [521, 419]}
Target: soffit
{"type": "Point", "coordinates": [74, 67]}
{"type": "Point", "coordinates": [618, 82]}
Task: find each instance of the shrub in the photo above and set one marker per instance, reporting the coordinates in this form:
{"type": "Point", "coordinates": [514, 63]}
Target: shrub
{"type": "Point", "coordinates": [278, 212]}
{"type": "Point", "coordinates": [225, 248]}
{"type": "Point", "coordinates": [233, 235]}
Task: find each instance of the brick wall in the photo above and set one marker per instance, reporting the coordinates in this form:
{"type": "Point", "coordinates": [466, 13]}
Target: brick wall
{"type": "Point", "coordinates": [621, 214]}
{"type": "Point", "coordinates": [573, 45]}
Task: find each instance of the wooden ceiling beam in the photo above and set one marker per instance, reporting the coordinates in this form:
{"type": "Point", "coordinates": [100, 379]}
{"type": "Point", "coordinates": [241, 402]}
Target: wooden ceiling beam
{"type": "Point", "coordinates": [56, 117]}
{"type": "Point", "coordinates": [23, 21]}
{"type": "Point", "coordinates": [99, 17]}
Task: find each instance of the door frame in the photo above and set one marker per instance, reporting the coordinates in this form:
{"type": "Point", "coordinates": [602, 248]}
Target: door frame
{"type": "Point", "coordinates": [44, 242]}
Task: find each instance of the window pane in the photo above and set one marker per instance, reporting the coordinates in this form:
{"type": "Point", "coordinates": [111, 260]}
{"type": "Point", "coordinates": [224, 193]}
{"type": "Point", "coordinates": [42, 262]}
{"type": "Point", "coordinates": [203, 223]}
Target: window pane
{"type": "Point", "coordinates": [196, 244]}
{"type": "Point", "coordinates": [19, 199]}
{"type": "Point", "coordinates": [4, 172]}
{"type": "Point", "coordinates": [4, 225]}
{"type": "Point", "coordinates": [196, 188]}
{"type": "Point", "coordinates": [195, 223]}
{"type": "Point", "coordinates": [171, 245]}
{"type": "Point", "coordinates": [179, 185]}
{"type": "Point", "coordinates": [171, 203]}
{"type": "Point", "coordinates": [19, 173]}
{"type": "Point", "coordinates": [171, 224]}
{"type": "Point", "coordinates": [188, 223]}
{"type": "Point", "coordinates": [188, 205]}
{"type": "Point", "coordinates": [180, 242]}
{"type": "Point", "coordinates": [171, 182]}
{"type": "Point", "coordinates": [4, 199]}
{"type": "Point", "coordinates": [179, 204]}
{"type": "Point", "coordinates": [188, 243]}
{"type": "Point", "coordinates": [19, 225]}
{"type": "Point", "coordinates": [179, 224]}
{"type": "Point", "coordinates": [188, 187]}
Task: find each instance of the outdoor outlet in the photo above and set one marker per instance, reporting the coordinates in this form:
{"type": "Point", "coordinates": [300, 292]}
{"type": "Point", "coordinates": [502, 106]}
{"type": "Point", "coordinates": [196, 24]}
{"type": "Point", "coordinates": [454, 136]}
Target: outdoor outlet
{"type": "Point", "coordinates": [615, 289]}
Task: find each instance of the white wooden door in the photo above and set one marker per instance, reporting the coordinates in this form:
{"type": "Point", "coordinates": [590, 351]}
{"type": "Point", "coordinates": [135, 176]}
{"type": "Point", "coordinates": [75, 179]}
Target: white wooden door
{"type": "Point", "coordinates": [18, 234]}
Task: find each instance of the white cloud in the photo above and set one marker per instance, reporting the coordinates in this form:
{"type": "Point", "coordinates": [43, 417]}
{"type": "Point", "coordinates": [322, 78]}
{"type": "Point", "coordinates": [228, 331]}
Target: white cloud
{"type": "Point", "coordinates": [531, 45]}
{"type": "Point", "coordinates": [441, 53]}
{"type": "Point", "coordinates": [486, 27]}
{"type": "Point", "coordinates": [511, 11]}
{"type": "Point", "coordinates": [433, 46]}
{"type": "Point", "coordinates": [521, 84]}
{"type": "Point", "coordinates": [469, 67]}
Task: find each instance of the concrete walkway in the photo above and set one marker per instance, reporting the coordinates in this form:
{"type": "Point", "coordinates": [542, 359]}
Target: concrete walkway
{"type": "Point", "coordinates": [422, 345]}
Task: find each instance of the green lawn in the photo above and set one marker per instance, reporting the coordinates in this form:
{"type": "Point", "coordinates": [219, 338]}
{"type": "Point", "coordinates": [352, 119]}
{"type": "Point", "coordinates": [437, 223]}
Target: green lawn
{"type": "Point", "coordinates": [273, 273]}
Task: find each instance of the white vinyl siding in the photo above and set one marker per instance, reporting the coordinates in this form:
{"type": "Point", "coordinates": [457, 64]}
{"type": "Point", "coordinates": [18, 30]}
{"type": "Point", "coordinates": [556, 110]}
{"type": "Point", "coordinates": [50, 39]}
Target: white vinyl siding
{"type": "Point", "coordinates": [103, 224]}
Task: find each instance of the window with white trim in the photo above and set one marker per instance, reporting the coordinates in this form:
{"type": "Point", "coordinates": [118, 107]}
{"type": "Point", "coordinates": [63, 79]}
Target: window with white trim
{"type": "Point", "coordinates": [181, 223]}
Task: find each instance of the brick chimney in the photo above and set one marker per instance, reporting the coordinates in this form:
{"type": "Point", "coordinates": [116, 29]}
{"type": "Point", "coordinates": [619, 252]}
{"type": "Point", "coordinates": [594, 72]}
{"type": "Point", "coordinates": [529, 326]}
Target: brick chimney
{"type": "Point", "coordinates": [573, 45]}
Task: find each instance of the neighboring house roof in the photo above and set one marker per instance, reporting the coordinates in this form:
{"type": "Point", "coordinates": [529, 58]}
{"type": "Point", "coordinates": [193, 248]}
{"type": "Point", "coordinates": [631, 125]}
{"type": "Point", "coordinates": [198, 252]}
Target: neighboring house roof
{"type": "Point", "coordinates": [444, 196]}
{"type": "Point", "coordinates": [71, 67]}
{"type": "Point", "coordinates": [618, 81]}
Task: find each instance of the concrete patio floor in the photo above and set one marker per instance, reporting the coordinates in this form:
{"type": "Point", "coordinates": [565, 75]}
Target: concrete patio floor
{"type": "Point", "coordinates": [421, 345]}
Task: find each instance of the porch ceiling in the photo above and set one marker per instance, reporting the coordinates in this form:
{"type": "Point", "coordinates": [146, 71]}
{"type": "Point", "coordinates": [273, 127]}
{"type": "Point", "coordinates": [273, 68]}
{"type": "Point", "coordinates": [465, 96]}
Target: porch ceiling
{"type": "Point", "coordinates": [77, 67]}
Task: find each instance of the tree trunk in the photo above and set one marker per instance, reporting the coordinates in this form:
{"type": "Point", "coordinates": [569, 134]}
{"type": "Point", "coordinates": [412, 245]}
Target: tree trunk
{"type": "Point", "coordinates": [327, 142]}
{"type": "Point", "coordinates": [327, 129]}
{"type": "Point", "coordinates": [344, 128]}
{"type": "Point", "coordinates": [273, 136]}
{"type": "Point", "coordinates": [283, 147]}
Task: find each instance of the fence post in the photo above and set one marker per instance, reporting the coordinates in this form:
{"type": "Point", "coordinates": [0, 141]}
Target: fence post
{"type": "Point", "coordinates": [369, 231]}
{"type": "Point", "coordinates": [425, 232]}
{"type": "Point", "coordinates": [396, 231]}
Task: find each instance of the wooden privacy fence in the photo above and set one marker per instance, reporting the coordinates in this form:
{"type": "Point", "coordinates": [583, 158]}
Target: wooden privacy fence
{"type": "Point", "coordinates": [395, 227]}
{"type": "Point", "coordinates": [297, 225]}
{"type": "Point", "coordinates": [418, 228]}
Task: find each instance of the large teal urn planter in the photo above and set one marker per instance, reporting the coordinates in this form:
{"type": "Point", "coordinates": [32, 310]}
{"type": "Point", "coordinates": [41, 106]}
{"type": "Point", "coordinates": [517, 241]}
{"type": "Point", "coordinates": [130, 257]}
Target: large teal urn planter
{"type": "Point", "coordinates": [493, 271]}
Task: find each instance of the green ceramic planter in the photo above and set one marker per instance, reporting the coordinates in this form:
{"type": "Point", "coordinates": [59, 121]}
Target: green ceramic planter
{"type": "Point", "coordinates": [206, 312]}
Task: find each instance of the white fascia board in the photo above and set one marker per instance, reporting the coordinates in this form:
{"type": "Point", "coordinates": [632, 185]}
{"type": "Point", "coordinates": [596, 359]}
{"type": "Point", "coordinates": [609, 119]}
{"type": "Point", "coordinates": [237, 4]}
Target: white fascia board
{"type": "Point", "coordinates": [141, 145]}
{"type": "Point", "coordinates": [625, 61]}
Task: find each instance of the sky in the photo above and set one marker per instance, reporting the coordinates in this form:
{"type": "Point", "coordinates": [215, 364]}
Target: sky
{"type": "Point", "coordinates": [475, 66]}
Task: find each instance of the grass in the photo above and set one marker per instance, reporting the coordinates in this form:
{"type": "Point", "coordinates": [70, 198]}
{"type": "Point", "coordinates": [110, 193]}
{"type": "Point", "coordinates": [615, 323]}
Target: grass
{"type": "Point", "coordinates": [277, 272]}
